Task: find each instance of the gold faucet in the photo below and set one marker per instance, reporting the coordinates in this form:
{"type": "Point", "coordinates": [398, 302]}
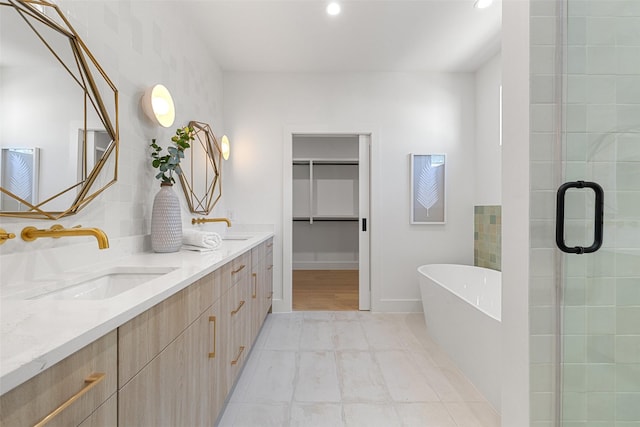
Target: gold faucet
{"type": "Point", "coordinates": [56, 231]}
{"type": "Point", "coordinates": [203, 220]}
{"type": "Point", "coordinates": [4, 236]}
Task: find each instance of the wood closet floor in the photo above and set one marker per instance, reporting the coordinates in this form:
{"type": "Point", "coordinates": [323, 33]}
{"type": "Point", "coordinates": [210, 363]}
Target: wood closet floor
{"type": "Point", "coordinates": [335, 290]}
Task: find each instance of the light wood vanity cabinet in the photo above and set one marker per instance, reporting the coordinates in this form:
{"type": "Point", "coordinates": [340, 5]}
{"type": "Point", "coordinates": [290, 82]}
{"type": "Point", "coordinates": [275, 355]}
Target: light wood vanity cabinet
{"type": "Point", "coordinates": [180, 359]}
{"type": "Point", "coordinates": [64, 385]}
{"type": "Point", "coordinates": [177, 388]}
{"type": "Point", "coordinates": [238, 312]}
{"type": "Point", "coordinates": [261, 284]}
{"type": "Point", "coordinates": [173, 365]}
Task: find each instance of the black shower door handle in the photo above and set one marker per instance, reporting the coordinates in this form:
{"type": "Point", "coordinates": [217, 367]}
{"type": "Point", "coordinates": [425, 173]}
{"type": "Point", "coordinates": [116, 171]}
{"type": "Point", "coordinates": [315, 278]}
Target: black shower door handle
{"type": "Point", "coordinates": [597, 219]}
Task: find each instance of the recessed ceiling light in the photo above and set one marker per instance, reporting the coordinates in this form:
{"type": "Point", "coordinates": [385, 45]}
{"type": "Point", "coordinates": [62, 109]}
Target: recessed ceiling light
{"type": "Point", "coordinates": [333, 8]}
{"type": "Point", "coordinates": [481, 4]}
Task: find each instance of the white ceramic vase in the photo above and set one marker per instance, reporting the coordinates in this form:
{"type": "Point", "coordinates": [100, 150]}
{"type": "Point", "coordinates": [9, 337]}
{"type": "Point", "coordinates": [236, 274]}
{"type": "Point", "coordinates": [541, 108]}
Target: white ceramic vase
{"type": "Point", "coordinates": [166, 224]}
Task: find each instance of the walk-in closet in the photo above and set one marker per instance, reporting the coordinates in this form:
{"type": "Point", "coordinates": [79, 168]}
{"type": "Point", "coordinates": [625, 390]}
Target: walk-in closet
{"type": "Point", "coordinates": [328, 220]}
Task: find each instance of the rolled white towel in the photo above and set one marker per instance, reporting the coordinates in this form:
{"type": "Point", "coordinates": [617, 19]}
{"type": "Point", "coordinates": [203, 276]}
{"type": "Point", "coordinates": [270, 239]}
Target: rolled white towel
{"type": "Point", "coordinates": [201, 239]}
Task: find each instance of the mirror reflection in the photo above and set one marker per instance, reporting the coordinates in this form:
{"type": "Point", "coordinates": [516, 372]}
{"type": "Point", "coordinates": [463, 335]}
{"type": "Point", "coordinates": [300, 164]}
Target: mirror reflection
{"type": "Point", "coordinates": [201, 177]}
{"type": "Point", "coordinates": [56, 101]}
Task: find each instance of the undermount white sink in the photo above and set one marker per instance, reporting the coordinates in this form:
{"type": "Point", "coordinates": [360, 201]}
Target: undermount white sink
{"type": "Point", "coordinates": [104, 284]}
{"type": "Point", "coordinates": [236, 237]}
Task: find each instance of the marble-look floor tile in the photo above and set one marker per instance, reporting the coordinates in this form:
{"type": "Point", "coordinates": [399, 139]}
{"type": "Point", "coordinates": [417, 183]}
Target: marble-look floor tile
{"type": "Point", "coordinates": [405, 381]}
{"type": "Point", "coordinates": [360, 378]}
{"type": "Point", "coordinates": [273, 378]}
{"type": "Point", "coordinates": [431, 414]}
{"type": "Point", "coordinates": [255, 415]}
{"type": "Point", "coordinates": [448, 382]}
{"type": "Point", "coordinates": [319, 315]}
{"type": "Point", "coordinates": [349, 335]}
{"type": "Point", "coordinates": [285, 332]}
{"type": "Point", "coordinates": [473, 414]}
{"type": "Point", "coordinates": [370, 415]}
{"type": "Point", "coordinates": [389, 332]}
{"type": "Point", "coordinates": [316, 335]}
{"type": "Point", "coordinates": [349, 315]}
{"type": "Point", "coordinates": [358, 369]}
{"type": "Point", "coordinates": [316, 415]}
{"type": "Point", "coordinates": [317, 379]}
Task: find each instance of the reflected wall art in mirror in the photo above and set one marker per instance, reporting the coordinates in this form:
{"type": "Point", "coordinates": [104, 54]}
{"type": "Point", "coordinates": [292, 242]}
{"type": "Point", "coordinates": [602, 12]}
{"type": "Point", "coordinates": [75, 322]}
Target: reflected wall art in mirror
{"type": "Point", "coordinates": [55, 101]}
{"type": "Point", "coordinates": [201, 176]}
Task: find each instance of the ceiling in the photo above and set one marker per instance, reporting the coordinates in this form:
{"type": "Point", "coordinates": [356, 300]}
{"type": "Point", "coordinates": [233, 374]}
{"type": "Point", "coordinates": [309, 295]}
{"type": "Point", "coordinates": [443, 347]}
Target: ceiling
{"type": "Point", "coordinates": [369, 35]}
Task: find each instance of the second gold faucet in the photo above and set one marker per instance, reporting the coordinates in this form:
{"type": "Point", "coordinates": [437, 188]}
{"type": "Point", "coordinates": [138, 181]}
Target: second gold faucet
{"type": "Point", "coordinates": [203, 220]}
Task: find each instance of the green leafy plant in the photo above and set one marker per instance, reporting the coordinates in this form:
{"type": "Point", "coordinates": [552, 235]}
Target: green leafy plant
{"type": "Point", "coordinates": [170, 162]}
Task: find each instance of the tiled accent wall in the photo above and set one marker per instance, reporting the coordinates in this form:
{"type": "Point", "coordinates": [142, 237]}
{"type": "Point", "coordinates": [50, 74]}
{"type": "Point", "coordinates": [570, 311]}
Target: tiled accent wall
{"type": "Point", "coordinates": [487, 237]}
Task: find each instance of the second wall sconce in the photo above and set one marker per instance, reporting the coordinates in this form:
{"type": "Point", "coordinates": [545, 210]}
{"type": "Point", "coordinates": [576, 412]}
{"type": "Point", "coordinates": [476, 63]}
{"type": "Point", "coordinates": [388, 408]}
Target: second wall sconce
{"type": "Point", "coordinates": [157, 104]}
{"type": "Point", "coordinates": [224, 147]}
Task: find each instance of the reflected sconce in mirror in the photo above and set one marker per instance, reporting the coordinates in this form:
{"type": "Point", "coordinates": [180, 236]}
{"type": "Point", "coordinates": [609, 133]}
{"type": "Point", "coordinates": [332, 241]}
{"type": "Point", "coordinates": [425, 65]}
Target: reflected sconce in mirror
{"type": "Point", "coordinates": [157, 104]}
{"type": "Point", "coordinates": [201, 176]}
{"type": "Point", "coordinates": [225, 147]}
{"type": "Point", "coordinates": [60, 106]}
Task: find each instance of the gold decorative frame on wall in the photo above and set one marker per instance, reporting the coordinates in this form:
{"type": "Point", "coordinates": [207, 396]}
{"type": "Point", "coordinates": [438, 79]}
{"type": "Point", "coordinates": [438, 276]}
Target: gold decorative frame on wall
{"type": "Point", "coordinates": [86, 72]}
{"type": "Point", "coordinates": [208, 176]}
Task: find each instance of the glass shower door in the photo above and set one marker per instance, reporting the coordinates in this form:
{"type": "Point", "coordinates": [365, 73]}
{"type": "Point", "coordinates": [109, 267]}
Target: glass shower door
{"type": "Point", "coordinates": [600, 305]}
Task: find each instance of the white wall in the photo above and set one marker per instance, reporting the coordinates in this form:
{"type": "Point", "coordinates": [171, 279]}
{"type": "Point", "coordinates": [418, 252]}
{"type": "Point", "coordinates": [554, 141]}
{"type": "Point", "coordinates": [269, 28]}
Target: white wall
{"type": "Point", "coordinates": [515, 213]}
{"type": "Point", "coordinates": [406, 112]}
{"type": "Point", "coordinates": [138, 44]}
{"type": "Point", "coordinates": [488, 161]}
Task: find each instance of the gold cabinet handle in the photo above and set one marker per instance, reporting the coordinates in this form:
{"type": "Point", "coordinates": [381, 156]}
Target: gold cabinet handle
{"type": "Point", "coordinates": [239, 269]}
{"type": "Point", "coordinates": [235, 361]}
{"type": "Point", "coordinates": [90, 382]}
{"type": "Point", "coordinates": [215, 334]}
{"type": "Point", "coordinates": [255, 284]}
{"type": "Point", "coordinates": [238, 309]}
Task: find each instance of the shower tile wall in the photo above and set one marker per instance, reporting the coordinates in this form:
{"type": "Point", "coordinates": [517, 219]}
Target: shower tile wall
{"type": "Point", "coordinates": [601, 299]}
{"type": "Point", "coordinates": [487, 237]}
{"type": "Point", "coordinates": [544, 179]}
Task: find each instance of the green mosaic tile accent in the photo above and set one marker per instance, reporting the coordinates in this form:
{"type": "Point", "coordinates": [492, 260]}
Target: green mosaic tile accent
{"type": "Point", "coordinates": [487, 236]}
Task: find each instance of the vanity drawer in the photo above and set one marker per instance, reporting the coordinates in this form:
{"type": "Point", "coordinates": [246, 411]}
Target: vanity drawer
{"type": "Point", "coordinates": [240, 268]}
{"type": "Point", "coordinates": [143, 337]}
{"type": "Point", "coordinates": [69, 391]}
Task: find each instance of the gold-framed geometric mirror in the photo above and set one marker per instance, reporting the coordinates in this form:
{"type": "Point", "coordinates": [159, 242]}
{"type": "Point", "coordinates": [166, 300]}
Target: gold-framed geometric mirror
{"type": "Point", "coordinates": [201, 176]}
{"type": "Point", "coordinates": [55, 101]}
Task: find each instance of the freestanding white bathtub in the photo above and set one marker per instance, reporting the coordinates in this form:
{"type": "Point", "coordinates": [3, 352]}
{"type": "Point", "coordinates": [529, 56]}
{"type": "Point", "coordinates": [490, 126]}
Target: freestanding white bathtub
{"type": "Point", "coordinates": [462, 308]}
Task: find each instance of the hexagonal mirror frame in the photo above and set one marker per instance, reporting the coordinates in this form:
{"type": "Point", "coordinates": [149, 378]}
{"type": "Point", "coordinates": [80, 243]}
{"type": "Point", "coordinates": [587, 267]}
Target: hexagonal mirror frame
{"type": "Point", "coordinates": [80, 70]}
{"type": "Point", "coordinates": [211, 172]}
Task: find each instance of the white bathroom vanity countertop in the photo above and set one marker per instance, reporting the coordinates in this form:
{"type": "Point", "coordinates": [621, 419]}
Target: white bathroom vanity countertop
{"type": "Point", "coordinates": [36, 334]}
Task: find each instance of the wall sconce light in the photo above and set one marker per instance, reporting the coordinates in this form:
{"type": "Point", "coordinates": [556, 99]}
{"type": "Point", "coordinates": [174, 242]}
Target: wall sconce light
{"type": "Point", "coordinates": [224, 147]}
{"type": "Point", "coordinates": [482, 4]}
{"type": "Point", "coordinates": [157, 103]}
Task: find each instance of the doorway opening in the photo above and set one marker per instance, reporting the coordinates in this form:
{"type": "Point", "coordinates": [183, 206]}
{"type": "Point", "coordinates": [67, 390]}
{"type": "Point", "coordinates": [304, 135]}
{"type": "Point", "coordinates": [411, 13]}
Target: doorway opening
{"type": "Point", "coordinates": [329, 211]}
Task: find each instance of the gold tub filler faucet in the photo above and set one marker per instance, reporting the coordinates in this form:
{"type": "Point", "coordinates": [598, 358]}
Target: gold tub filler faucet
{"type": "Point", "coordinates": [56, 231]}
{"type": "Point", "coordinates": [203, 220]}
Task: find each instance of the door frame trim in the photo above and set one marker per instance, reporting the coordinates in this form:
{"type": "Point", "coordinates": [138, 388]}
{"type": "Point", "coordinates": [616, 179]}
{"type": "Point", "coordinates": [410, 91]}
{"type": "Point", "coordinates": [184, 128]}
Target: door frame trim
{"type": "Point", "coordinates": [284, 304]}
